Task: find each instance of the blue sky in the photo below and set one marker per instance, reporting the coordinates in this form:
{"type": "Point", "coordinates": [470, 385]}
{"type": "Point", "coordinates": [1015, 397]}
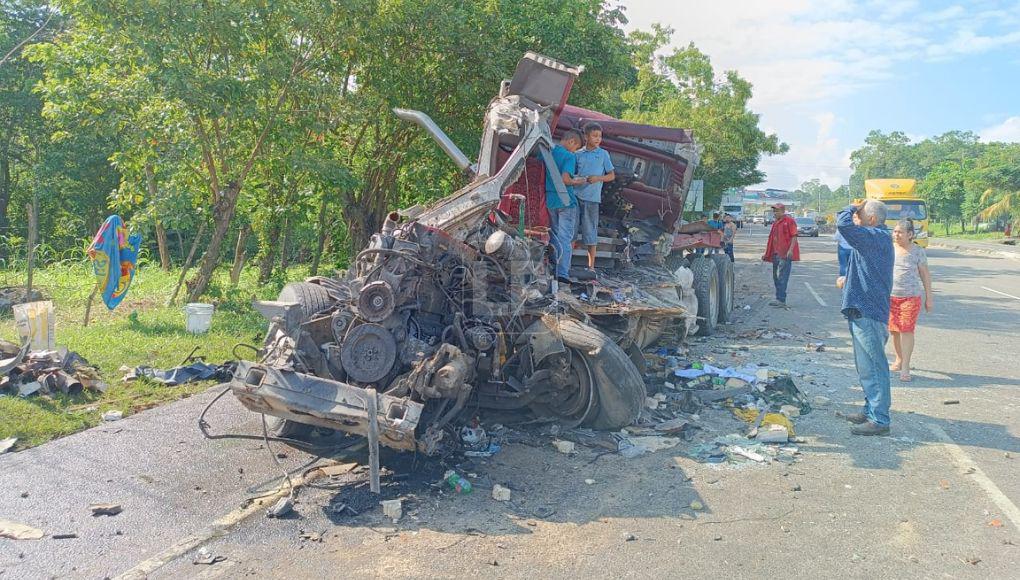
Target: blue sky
{"type": "Point", "coordinates": [826, 72]}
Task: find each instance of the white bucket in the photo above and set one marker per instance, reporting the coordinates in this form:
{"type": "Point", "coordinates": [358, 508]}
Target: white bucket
{"type": "Point", "coordinates": [198, 317]}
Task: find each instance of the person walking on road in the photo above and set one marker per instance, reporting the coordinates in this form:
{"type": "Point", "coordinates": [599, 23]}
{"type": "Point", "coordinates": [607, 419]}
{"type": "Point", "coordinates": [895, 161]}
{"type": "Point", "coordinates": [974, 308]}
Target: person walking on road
{"type": "Point", "coordinates": [910, 277]}
{"type": "Point", "coordinates": [728, 234]}
{"type": "Point", "coordinates": [866, 297]}
{"type": "Point", "coordinates": [782, 250]}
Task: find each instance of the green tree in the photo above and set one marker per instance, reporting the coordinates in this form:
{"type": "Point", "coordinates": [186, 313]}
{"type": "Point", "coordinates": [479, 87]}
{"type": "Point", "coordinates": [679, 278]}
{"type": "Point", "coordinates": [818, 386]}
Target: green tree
{"type": "Point", "coordinates": [882, 156]}
{"type": "Point", "coordinates": [997, 174]}
{"type": "Point", "coordinates": [943, 188]}
{"type": "Point", "coordinates": [681, 89]}
{"type": "Point", "coordinates": [22, 24]}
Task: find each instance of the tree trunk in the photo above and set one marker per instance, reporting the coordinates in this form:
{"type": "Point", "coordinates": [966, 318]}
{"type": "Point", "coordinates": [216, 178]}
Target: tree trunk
{"type": "Point", "coordinates": [223, 213]}
{"type": "Point", "coordinates": [5, 197]}
{"type": "Point", "coordinates": [321, 246]}
{"type": "Point", "coordinates": [187, 262]}
{"type": "Point", "coordinates": [150, 184]}
{"type": "Point", "coordinates": [164, 251]}
{"type": "Point", "coordinates": [180, 243]}
{"type": "Point", "coordinates": [284, 239]}
{"type": "Point", "coordinates": [240, 250]}
{"type": "Point", "coordinates": [267, 261]}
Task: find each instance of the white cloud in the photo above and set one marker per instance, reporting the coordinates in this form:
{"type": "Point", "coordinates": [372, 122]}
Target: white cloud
{"type": "Point", "coordinates": [802, 54]}
{"type": "Point", "coordinates": [1008, 131]}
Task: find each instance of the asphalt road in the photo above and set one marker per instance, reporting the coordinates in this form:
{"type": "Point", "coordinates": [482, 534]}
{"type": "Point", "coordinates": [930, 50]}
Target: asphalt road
{"type": "Point", "coordinates": [936, 499]}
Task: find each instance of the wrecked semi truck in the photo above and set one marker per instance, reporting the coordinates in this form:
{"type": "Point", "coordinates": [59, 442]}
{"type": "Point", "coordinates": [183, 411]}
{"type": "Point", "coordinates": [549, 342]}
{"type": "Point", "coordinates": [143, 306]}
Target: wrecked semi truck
{"type": "Point", "coordinates": [454, 308]}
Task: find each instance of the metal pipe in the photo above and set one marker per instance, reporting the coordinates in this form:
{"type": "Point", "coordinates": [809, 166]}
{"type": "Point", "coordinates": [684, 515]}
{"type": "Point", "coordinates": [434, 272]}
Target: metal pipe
{"type": "Point", "coordinates": [371, 409]}
{"type": "Point", "coordinates": [444, 141]}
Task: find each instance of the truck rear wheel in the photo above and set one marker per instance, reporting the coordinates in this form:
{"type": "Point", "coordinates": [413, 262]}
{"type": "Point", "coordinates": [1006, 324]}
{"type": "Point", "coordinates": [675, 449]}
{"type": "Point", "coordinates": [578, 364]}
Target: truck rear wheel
{"type": "Point", "coordinates": [726, 280]}
{"type": "Point", "coordinates": [706, 288]}
{"type": "Point", "coordinates": [675, 260]}
{"type": "Point", "coordinates": [619, 388]}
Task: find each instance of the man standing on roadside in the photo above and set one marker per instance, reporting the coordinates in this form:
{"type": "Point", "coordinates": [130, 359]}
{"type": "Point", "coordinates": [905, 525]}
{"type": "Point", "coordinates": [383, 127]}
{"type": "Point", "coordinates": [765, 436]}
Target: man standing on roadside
{"type": "Point", "coordinates": [595, 167]}
{"type": "Point", "coordinates": [728, 235]}
{"type": "Point", "coordinates": [866, 291]}
{"type": "Point", "coordinates": [782, 250]}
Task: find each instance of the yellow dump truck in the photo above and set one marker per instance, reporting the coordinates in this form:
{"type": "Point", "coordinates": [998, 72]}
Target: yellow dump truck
{"type": "Point", "coordinates": [901, 200]}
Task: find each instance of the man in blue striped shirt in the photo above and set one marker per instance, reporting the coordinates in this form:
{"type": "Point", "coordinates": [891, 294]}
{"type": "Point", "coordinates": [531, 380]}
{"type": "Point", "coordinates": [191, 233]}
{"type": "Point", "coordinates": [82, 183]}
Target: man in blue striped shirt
{"type": "Point", "coordinates": [866, 292]}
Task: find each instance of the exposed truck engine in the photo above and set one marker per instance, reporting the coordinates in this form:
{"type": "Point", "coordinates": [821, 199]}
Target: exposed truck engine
{"type": "Point", "coordinates": [454, 308]}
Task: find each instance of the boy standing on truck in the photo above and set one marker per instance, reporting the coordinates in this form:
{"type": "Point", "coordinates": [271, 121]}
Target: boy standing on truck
{"type": "Point", "coordinates": [563, 218]}
{"type": "Point", "coordinates": [596, 168]}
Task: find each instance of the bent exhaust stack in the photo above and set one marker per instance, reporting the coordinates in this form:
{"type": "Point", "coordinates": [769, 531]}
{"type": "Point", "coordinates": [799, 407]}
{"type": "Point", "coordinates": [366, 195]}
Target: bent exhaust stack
{"type": "Point", "coordinates": [444, 141]}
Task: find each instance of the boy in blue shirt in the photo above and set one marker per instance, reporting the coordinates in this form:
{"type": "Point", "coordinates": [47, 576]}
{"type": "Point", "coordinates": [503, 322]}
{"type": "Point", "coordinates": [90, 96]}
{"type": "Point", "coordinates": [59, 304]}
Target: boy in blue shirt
{"type": "Point", "coordinates": [563, 218]}
{"type": "Point", "coordinates": [596, 168]}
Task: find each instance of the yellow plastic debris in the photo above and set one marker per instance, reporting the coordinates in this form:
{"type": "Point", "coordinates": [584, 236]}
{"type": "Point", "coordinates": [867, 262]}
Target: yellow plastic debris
{"type": "Point", "coordinates": [750, 415]}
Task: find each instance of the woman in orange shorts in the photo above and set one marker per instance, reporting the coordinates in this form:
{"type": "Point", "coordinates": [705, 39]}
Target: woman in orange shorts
{"type": "Point", "coordinates": [911, 280]}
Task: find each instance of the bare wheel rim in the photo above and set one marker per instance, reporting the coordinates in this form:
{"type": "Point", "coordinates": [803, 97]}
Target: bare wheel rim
{"type": "Point", "coordinates": [574, 400]}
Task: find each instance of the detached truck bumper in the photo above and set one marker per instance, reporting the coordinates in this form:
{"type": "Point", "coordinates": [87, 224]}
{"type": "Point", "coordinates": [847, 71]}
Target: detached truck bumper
{"type": "Point", "coordinates": [325, 403]}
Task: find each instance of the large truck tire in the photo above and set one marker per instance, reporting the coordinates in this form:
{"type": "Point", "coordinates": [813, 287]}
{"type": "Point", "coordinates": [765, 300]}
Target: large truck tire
{"type": "Point", "coordinates": [724, 269]}
{"type": "Point", "coordinates": [312, 297]}
{"type": "Point", "coordinates": [618, 385]}
{"type": "Point", "coordinates": [675, 260]}
{"type": "Point", "coordinates": [706, 288]}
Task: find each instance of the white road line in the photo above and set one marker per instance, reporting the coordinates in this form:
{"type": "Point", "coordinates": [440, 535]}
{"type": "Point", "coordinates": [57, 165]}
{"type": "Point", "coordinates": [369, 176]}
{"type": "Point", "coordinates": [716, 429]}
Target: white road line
{"type": "Point", "coordinates": [815, 294]}
{"type": "Point", "coordinates": [1003, 293]}
{"type": "Point", "coordinates": [963, 461]}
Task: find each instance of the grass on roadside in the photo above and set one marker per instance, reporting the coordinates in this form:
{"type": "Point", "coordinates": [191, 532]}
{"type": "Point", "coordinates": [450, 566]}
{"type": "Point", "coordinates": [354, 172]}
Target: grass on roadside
{"type": "Point", "coordinates": [938, 230]}
{"type": "Point", "coordinates": [141, 331]}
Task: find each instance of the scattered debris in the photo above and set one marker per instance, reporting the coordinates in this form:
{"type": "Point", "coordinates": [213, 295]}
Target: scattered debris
{"type": "Point", "coordinates": [105, 509]}
{"type": "Point", "coordinates": [820, 401]}
{"type": "Point", "coordinates": [790, 410]}
{"type": "Point", "coordinates": [7, 444]}
{"type": "Point", "coordinates": [566, 447]}
{"type": "Point", "coordinates": [748, 454]}
{"type": "Point", "coordinates": [500, 493]}
{"type": "Point", "coordinates": [282, 507]}
{"type": "Point", "coordinates": [315, 536]}
{"type": "Point", "coordinates": [45, 372]}
{"type": "Point", "coordinates": [774, 434]}
{"type": "Point", "coordinates": [393, 509]}
{"type": "Point", "coordinates": [458, 483]}
{"type": "Point", "coordinates": [951, 402]}
{"type": "Point", "coordinates": [589, 482]}
{"type": "Point", "coordinates": [207, 558]}
{"type": "Point", "coordinates": [697, 505]}
{"type": "Point", "coordinates": [113, 415]}
{"type": "Point", "coordinates": [629, 537]}
{"type": "Point", "coordinates": [634, 446]}
{"type": "Point", "coordinates": [198, 370]}
{"type": "Point", "coordinates": [67, 536]}
{"type": "Point", "coordinates": [16, 531]}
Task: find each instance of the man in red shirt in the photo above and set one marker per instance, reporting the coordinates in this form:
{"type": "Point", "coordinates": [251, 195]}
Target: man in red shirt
{"type": "Point", "coordinates": [782, 250]}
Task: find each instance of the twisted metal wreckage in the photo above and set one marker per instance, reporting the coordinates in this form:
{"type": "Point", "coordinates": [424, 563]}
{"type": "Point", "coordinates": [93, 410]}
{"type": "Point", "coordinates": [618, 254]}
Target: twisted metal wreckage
{"type": "Point", "coordinates": [452, 308]}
